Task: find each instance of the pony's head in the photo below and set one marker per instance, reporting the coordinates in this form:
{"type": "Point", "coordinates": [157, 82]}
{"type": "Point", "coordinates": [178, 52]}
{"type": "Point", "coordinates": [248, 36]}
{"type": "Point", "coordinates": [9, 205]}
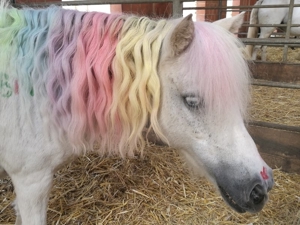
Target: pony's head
{"type": "Point", "coordinates": [205, 91]}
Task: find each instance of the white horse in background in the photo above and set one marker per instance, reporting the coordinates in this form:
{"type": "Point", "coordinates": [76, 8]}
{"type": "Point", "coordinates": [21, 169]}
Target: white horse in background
{"type": "Point", "coordinates": [70, 79]}
{"type": "Point", "coordinates": [270, 16]}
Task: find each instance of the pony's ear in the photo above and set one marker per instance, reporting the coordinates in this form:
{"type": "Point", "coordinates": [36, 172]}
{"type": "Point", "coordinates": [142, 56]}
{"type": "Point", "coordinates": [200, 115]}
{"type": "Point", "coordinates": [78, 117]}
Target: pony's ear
{"type": "Point", "coordinates": [232, 24]}
{"type": "Point", "coordinates": [182, 35]}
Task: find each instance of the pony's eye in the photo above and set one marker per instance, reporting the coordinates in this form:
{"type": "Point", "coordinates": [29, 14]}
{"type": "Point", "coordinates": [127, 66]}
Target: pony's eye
{"type": "Point", "coordinates": [193, 102]}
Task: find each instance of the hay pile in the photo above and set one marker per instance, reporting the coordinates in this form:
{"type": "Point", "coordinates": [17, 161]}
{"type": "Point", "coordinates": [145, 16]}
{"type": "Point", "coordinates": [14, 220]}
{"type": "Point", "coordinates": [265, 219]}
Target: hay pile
{"type": "Point", "coordinates": [276, 105]}
{"type": "Point", "coordinates": [154, 190]}
{"type": "Point", "coordinates": [275, 54]}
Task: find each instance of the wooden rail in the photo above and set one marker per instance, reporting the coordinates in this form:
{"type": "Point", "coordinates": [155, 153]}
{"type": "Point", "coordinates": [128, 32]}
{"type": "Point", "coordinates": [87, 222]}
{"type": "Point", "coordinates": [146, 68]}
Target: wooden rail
{"type": "Point", "coordinates": [279, 145]}
{"type": "Point", "coordinates": [276, 72]}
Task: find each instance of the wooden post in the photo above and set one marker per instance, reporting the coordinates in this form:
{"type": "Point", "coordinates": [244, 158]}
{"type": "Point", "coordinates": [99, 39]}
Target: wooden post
{"type": "Point", "coordinates": [278, 145]}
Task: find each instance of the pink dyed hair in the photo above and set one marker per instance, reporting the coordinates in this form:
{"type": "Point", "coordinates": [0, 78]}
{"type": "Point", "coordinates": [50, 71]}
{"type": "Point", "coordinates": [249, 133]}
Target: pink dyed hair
{"type": "Point", "coordinates": [222, 72]}
{"type": "Point", "coordinates": [92, 83]}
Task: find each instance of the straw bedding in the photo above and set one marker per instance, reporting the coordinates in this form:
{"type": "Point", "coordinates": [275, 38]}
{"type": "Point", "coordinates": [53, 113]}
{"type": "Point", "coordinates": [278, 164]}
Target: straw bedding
{"type": "Point", "coordinates": [275, 54]}
{"type": "Point", "coordinates": [156, 189]}
{"type": "Point", "coordinates": [276, 105]}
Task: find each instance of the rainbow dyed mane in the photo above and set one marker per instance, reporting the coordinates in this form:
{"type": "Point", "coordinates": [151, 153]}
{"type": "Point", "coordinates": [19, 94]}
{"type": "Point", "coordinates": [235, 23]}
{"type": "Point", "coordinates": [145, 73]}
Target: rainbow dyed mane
{"type": "Point", "coordinates": [96, 71]}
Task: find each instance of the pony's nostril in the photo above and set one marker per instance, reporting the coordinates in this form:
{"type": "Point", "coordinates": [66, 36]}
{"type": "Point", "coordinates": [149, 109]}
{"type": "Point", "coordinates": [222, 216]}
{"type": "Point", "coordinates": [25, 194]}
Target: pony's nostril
{"type": "Point", "coordinates": [257, 195]}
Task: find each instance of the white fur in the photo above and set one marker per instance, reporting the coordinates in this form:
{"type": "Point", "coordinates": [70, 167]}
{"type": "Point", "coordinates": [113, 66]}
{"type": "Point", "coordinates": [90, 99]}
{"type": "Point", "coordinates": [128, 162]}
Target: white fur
{"type": "Point", "coordinates": [232, 24]}
{"type": "Point", "coordinates": [270, 16]}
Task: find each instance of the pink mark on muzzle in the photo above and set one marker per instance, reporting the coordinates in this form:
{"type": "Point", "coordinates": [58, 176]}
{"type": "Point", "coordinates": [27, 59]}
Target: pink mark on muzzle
{"type": "Point", "coordinates": [263, 173]}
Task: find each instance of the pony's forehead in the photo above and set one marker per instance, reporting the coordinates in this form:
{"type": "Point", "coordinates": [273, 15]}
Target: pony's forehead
{"type": "Point", "coordinates": [217, 68]}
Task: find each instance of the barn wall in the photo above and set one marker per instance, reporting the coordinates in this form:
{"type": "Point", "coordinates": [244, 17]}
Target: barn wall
{"type": "Point", "coordinates": [200, 14]}
{"type": "Point", "coordinates": [116, 8]}
{"type": "Point", "coordinates": [163, 10]}
{"type": "Point", "coordinates": [214, 14]}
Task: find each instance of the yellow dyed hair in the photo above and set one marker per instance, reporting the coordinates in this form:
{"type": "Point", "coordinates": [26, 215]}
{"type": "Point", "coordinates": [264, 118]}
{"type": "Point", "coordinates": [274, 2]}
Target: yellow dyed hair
{"type": "Point", "coordinates": [136, 88]}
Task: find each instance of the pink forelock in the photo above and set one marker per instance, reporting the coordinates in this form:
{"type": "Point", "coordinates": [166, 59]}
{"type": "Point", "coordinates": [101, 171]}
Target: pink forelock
{"type": "Point", "coordinates": [219, 68]}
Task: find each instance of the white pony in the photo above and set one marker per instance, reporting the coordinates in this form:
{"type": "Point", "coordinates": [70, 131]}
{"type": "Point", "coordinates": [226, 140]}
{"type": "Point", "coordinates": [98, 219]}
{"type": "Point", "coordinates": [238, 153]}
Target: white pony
{"type": "Point", "coordinates": [70, 79]}
{"type": "Point", "coordinates": [270, 16]}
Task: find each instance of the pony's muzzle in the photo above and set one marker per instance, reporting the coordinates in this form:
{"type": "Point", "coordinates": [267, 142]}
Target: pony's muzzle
{"type": "Point", "coordinates": [247, 195]}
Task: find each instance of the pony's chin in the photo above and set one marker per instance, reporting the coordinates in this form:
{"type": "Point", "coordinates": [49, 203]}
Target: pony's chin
{"type": "Point", "coordinates": [229, 200]}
